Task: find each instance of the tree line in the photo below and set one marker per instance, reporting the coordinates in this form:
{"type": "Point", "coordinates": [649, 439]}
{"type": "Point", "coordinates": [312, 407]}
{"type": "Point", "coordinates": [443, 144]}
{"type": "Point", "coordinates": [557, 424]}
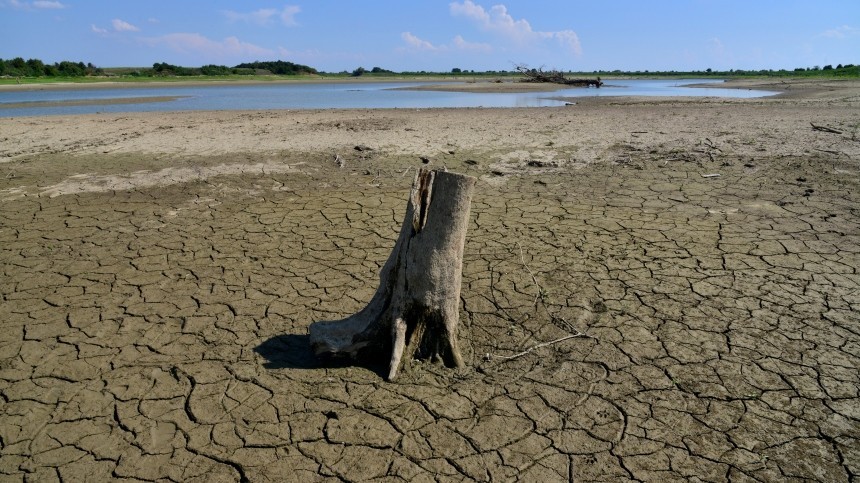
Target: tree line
{"type": "Point", "coordinates": [278, 67]}
{"type": "Point", "coordinates": [18, 67]}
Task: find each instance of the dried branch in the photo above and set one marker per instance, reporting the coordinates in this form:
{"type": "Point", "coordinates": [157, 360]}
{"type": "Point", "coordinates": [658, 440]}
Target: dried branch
{"type": "Point", "coordinates": [825, 129]}
{"type": "Point", "coordinates": [829, 151]}
{"type": "Point", "coordinates": [554, 77]}
{"type": "Point", "coordinates": [534, 279]}
{"type": "Point", "coordinates": [538, 346]}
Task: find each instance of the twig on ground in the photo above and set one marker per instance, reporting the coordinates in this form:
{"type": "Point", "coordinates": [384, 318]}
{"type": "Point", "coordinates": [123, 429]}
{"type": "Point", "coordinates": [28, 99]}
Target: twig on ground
{"type": "Point", "coordinates": [825, 129]}
{"type": "Point", "coordinates": [534, 279]}
{"type": "Point", "coordinates": [712, 145]}
{"type": "Point", "coordinates": [567, 324]}
{"type": "Point", "coordinates": [575, 333]}
{"type": "Point", "coordinates": [538, 346]}
{"type": "Point", "coordinates": [510, 317]}
{"type": "Point", "coordinates": [829, 151]}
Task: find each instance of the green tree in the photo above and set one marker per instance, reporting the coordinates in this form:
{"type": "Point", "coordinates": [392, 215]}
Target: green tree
{"type": "Point", "coordinates": [279, 67]}
{"type": "Point", "coordinates": [215, 70]}
{"type": "Point", "coordinates": [18, 67]}
{"type": "Point", "coordinates": [36, 67]}
{"type": "Point", "coordinates": [70, 69]}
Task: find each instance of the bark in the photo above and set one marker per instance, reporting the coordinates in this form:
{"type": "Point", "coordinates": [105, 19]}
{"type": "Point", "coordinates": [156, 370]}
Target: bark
{"type": "Point", "coordinates": [415, 312]}
{"type": "Point", "coordinates": [554, 77]}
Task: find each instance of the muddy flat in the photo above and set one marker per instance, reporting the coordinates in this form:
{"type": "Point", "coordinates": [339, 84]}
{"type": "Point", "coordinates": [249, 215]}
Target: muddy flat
{"type": "Point", "coordinates": [158, 273]}
{"type": "Point", "coordinates": [90, 102]}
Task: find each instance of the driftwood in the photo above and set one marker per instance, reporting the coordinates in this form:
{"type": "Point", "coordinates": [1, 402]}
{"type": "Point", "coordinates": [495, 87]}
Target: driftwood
{"type": "Point", "coordinates": [554, 77]}
{"type": "Point", "coordinates": [415, 312]}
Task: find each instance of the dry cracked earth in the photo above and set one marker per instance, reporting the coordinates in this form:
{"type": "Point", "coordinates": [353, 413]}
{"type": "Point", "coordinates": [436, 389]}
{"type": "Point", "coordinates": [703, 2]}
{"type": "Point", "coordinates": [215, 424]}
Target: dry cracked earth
{"type": "Point", "coordinates": [159, 333]}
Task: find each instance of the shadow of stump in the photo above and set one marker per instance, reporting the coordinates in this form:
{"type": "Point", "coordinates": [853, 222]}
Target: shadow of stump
{"type": "Point", "coordinates": [293, 351]}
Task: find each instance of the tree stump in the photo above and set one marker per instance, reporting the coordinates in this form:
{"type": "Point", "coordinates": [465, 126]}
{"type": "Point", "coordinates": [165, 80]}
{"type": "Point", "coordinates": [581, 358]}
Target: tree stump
{"type": "Point", "coordinates": [416, 309]}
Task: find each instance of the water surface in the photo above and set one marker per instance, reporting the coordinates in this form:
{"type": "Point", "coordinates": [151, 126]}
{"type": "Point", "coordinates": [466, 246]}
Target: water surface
{"type": "Point", "coordinates": [325, 96]}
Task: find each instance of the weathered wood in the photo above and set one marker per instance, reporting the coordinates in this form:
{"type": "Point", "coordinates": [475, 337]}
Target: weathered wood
{"type": "Point", "coordinates": [415, 310]}
{"type": "Point", "coordinates": [554, 77]}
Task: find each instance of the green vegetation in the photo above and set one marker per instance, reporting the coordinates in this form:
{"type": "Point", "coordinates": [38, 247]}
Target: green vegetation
{"type": "Point", "coordinates": [36, 71]}
{"type": "Point", "coordinates": [279, 67]}
{"type": "Point", "coordinates": [252, 68]}
{"type": "Point", "coordinates": [380, 72]}
{"type": "Point", "coordinates": [18, 67]}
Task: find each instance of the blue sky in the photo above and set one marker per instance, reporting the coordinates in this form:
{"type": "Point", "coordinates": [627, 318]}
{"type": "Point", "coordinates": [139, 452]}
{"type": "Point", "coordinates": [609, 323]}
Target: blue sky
{"type": "Point", "coordinates": [336, 35]}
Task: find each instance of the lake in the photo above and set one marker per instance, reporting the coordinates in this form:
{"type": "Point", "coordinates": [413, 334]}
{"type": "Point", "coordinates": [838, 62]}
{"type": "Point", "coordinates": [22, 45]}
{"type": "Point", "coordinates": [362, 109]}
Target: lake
{"type": "Point", "coordinates": [340, 95]}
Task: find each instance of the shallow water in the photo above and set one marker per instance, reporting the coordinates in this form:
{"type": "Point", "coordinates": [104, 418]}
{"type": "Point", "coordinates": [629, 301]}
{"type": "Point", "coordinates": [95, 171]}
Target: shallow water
{"type": "Point", "coordinates": [334, 96]}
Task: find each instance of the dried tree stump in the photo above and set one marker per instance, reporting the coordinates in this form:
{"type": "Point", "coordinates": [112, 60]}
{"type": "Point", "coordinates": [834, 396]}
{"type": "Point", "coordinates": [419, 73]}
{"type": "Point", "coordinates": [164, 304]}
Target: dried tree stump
{"type": "Point", "coordinates": [416, 309]}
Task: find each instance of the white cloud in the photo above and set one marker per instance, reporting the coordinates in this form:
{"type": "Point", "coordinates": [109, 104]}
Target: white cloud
{"type": "Point", "coordinates": [123, 26]}
{"type": "Point", "coordinates": [461, 44]}
{"type": "Point", "coordinates": [265, 16]}
{"type": "Point", "coordinates": [48, 4]}
{"type": "Point", "coordinates": [260, 17]}
{"type": "Point", "coordinates": [38, 4]}
{"type": "Point", "coordinates": [97, 30]}
{"type": "Point", "coordinates": [414, 43]}
{"type": "Point", "coordinates": [499, 21]}
{"type": "Point", "coordinates": [288, 15]}
{"type": "Point", "coordinates": [841, 32]}
{"type": "Point", "coordinates": [192, 43]}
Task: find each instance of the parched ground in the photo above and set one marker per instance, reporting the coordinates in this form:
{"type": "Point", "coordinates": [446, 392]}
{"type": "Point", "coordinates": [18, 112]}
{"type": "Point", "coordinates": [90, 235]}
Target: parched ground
{"type": "Point", "coordinates": [158, 275]}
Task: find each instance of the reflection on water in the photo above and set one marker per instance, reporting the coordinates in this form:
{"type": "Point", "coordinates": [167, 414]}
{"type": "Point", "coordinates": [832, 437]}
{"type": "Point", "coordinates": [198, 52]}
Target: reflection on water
{"type": "Point", "coordinates": [333, 96]}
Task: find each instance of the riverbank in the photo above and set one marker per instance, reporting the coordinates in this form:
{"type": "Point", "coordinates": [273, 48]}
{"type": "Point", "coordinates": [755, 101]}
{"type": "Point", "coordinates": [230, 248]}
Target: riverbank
{"type": "Point", "coordinates": [159, 273]}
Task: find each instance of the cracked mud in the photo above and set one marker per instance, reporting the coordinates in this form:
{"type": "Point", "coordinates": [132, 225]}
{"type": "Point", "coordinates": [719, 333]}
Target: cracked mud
{"type": "Point", "coordinates": [156, 295]}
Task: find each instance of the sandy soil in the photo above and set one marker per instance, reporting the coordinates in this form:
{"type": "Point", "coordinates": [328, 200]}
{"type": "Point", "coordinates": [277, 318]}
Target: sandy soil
{"type": "Point", "coordinates": [159, 273]}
